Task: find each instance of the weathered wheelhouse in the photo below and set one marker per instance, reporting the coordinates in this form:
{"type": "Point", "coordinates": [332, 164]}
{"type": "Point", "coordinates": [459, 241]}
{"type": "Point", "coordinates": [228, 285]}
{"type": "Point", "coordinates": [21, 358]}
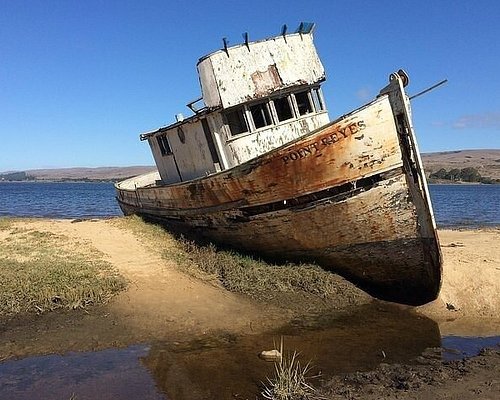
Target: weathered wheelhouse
{"type": "Point", "coordinates": [255, 97]}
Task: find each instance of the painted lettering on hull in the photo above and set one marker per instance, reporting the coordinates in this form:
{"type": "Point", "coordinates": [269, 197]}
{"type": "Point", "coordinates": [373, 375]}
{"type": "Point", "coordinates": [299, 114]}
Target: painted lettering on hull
{"type": "Point", "coordinates": [325, 141]}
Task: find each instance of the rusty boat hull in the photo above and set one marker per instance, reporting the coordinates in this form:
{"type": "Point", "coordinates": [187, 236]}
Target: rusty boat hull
{"type": "Point", "coordinates": [350, 196]}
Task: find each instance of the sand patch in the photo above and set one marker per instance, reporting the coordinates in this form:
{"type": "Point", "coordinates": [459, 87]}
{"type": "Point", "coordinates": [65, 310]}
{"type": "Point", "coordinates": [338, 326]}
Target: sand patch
{"type": "Point", "coordinates": [159, 298]}
{"type": "Point", "coordinates": [470, 294]}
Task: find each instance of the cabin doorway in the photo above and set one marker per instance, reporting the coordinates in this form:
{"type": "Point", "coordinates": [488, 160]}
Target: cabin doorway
{"type": "Point", "coordinates": [211, 145]}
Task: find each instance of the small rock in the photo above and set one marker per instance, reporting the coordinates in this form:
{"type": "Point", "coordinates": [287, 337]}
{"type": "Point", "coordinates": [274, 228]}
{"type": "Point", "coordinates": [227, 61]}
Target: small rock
{"type": "Point", "coordinates": [270, 355]}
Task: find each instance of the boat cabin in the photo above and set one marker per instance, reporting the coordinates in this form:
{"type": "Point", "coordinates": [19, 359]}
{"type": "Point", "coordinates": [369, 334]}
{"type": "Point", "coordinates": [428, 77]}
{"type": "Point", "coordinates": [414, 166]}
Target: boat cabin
{"type": "Point", "coordinates": [256, 96]}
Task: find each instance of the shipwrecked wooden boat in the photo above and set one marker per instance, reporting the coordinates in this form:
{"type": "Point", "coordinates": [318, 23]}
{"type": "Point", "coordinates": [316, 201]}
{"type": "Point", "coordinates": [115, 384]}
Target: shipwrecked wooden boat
{"type": "Point", "coordinates": [259, 167]}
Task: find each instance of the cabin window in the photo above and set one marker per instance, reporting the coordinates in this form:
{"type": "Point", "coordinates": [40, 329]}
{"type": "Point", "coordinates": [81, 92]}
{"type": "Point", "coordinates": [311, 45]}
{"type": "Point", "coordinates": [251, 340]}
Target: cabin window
{"type": "Point", "coordinates": [260, 115]}
{"type": "Point", "coordinates": [164, 145]}
{"type": "Point", "coordinates": [236, 121]}
{"type": "Point", "coordinates": [304, 105]}
{"type": "Point", "coordinates": [283, 109]}
{"type": "Point", "coordinates": [317, 99]}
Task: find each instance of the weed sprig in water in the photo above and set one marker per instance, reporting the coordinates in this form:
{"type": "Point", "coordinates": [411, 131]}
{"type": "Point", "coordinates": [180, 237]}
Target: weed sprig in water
{"type": "Point", "coordinates": [290, 379]}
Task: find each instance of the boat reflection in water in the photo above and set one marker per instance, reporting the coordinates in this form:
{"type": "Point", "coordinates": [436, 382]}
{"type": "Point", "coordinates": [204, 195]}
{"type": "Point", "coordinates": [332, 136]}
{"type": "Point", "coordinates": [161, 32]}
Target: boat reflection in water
{"type": "Point", "coordinates": [222, 366]}
{"type": "Point", "coordinates": [228, 367]}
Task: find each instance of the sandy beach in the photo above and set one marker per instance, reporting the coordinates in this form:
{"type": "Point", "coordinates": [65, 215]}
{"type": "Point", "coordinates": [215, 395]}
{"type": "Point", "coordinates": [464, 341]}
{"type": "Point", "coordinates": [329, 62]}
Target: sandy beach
{"type": "Point", "coordinates": [164, 304]}
{"type": "Point", "coordinates": [469, 294]}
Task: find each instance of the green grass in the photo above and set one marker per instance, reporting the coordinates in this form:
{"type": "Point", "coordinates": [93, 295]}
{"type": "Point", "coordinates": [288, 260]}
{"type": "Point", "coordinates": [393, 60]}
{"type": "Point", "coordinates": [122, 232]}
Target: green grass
{"type": "Point", "coordinates": [41, 271]}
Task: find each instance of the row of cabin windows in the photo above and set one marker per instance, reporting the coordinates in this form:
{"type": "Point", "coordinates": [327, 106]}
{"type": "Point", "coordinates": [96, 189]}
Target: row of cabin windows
{"type": "Point", "coordinates": [248, 118]}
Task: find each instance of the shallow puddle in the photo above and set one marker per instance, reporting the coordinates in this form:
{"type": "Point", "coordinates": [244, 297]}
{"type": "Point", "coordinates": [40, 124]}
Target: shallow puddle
{"type": "Point", "coordinates": [458, 347]}
{"type": "Point", "coordinates": [226, 366]}
{"type": "Point", "coordinates": [108, 374]}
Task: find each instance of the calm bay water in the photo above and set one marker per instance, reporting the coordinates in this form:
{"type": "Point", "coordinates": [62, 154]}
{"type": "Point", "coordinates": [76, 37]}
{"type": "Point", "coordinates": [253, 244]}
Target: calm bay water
{"type": "Point", "coordinates": [466, 205]}
{"type": "Point", "coordinates": [58, 199]}
{"type": "Point", "coordinates": [454, 205]}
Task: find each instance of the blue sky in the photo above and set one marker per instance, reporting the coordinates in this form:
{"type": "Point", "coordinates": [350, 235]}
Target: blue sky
{"type": "Point", "coordinates": [79, 80]}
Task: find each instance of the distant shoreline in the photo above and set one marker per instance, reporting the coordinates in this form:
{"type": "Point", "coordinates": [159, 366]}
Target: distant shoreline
{"type": "Point", "coordinates": [461, 183]}
{"type": "Point", "coordinates": [64, 181]}
{"type": "Point", "coordinates": [429, 182]}
{"type": "Point", "coordinates": [449, 167]}
{"type": "Point", "coordinates": [80, 174]}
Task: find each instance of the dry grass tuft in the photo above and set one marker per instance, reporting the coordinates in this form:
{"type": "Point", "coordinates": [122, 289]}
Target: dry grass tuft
{"type": "Point", "coordinates": [41, 271]}
{"type": "Point", "coordinates": [252, 276]}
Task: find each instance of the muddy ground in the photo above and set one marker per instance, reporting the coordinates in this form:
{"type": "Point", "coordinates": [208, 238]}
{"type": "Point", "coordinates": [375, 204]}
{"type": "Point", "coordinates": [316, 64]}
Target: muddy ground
{"type": "Point", "coordinates": [473, 378]}
{"type": "Point", "coordinates": [164, 304]}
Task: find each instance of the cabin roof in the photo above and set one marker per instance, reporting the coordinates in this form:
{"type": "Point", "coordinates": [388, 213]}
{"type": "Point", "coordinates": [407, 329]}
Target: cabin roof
{"type": "Point", "coordinates": [241, 45]}
{"type": "Point", "coordinates": [254, 70]}
{"type": "Point", "coordinates": [190, 119]}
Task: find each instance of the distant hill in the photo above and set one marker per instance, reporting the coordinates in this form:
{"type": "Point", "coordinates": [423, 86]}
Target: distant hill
{"type": "Point", "coordinates": [487, 162]}
{"type": "Point", "coordinates": [77, 174]}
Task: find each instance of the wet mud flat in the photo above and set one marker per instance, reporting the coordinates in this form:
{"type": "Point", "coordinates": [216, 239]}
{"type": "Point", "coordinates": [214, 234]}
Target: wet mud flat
{"type": "Point", "coordinates": [398, 352]}
{"type": "Point", "coordinates": [476, 377]}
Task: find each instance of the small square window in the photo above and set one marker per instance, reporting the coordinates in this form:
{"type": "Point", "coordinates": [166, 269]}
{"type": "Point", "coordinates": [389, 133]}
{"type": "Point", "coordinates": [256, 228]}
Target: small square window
{"type": "Point", "coordinates": [260, 115]}
{"type": "Point", "coordinates": [236, 121]}
{"type": "Point", "coordinates": [283, 109]}
{"type": "Point", "coordinates": [303, 103]}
